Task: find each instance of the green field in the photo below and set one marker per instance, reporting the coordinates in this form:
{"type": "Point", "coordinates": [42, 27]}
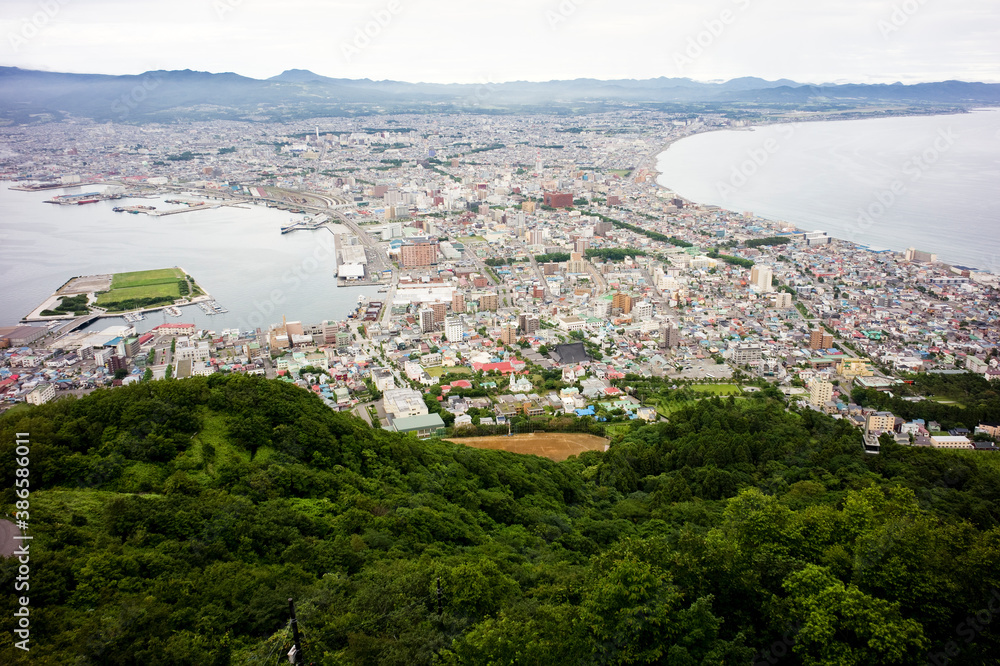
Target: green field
{"type": "Point", "coordinates": [620, 172]}
{"type": "Point", "coordinates": [126, 294]}
{"type": "Point", "coordinates": [458, 370]}
{"type": "Point", "coordinates": [614, 429]}
{"type": "Point", "coordinates": [717, 389]}
{"type": "Point", "coordinates": [143, 289]}
{"type": "Point", "coordinates": [471, 239]}
{"type": "Point", "coordinates": [665, 408]}
{"type": "Point", "coordinates": [146, 278]}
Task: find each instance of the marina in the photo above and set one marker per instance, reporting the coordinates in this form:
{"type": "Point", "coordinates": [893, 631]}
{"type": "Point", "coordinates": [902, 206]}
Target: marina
{"type": "Point", "coordinates": [211, 308]}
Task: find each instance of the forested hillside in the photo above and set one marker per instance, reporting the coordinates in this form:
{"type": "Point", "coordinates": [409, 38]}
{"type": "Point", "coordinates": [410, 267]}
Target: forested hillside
{"type": "Point", "coordinates": [173, 519]}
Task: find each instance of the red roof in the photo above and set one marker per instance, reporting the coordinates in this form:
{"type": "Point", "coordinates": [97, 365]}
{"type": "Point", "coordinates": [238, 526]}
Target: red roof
{"type": "Point", "coordinates": [168, 326]}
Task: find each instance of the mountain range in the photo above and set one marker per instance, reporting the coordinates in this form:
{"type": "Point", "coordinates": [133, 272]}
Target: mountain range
{"type": "Point", "coordinates": [31, 96]}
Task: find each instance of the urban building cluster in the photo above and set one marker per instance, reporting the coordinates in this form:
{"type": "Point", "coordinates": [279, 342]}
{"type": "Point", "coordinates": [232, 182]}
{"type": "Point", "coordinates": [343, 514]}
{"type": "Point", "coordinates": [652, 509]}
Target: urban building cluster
{"type": "Point", "coordinates": [534, 262]}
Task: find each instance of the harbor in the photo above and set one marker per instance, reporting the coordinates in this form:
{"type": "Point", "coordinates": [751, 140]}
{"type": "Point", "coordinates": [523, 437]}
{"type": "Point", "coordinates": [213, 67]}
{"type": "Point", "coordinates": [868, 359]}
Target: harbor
{"type": "Point", "coordinates": [81, 199]}
{"type": "Point", "coordinates": [211, 308]}
{"type": "Point", "coordinates": [244, 225]}
{"type": "Point", "coordinates": [313, 223]}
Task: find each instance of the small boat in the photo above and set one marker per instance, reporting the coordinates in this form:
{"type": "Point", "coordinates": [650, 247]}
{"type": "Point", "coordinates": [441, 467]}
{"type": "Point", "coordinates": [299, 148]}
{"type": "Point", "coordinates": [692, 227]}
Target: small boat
{"type": "Point", "coordinates": [173, 311]}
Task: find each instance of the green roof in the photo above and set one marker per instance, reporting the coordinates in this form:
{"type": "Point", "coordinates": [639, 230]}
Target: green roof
{"type": "Point", "coordinates": [422, 422]}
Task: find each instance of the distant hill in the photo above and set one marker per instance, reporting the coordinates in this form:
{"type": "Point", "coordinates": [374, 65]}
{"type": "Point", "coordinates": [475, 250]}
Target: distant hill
{"type": "Point", "coordinates": [30, 96]}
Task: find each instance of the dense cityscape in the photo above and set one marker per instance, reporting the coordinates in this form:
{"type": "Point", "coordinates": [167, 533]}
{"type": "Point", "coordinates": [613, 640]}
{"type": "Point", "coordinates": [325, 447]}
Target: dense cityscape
{"type": "Point", "coordinates": [530, 267]}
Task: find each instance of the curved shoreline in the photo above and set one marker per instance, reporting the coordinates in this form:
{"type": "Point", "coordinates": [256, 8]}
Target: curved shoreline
{"type": "Point", "coordinates": [793, 223]}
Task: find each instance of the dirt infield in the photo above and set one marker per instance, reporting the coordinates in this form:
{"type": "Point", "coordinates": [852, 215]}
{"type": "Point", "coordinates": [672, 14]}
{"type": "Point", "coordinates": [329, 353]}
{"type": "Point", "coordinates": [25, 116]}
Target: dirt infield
{"type": "Point", "coordinates": [552, 445]}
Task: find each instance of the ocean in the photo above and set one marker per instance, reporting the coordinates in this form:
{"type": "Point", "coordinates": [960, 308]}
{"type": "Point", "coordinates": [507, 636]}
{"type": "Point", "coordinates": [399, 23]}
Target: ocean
{"type": "Point", "coordinates": [238, 255]}
{"type": "Point", "coordinates": [930, 182]}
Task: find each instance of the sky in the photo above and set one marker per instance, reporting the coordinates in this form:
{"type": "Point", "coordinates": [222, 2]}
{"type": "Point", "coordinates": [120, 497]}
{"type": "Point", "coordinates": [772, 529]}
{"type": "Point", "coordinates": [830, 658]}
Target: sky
{"type": "Point", "coordinates": [491, 41]}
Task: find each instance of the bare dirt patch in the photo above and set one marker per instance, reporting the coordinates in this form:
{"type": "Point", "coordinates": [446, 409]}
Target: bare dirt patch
{"type": "Point", "coordinates": [556, 446]}
{"type": "Point", "coordinates": [86, 285]}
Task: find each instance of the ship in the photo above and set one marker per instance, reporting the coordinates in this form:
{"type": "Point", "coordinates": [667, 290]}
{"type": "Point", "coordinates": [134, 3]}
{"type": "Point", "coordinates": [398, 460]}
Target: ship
{"type": "Point", "coordinates": [173, 311]}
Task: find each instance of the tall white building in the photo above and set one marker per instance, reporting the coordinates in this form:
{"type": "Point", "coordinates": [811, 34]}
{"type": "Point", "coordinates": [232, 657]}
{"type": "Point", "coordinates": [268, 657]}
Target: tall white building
{"type": "Point", "coordinates": [642, 311]}
{"type": "Point", "coordinates": [42, 394]}
{"type": "Point", "coordinates": [453, 329]}
{"type": "Point", "coordinates": [820, 392]}
{"type": "Point", "coordinates": [760, 277]}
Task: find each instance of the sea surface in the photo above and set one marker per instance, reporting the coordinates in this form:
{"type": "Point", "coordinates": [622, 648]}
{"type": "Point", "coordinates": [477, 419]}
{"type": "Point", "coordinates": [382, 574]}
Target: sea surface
{"type": "Point", "coordinates": [238, 255]}
{"type": "Point", "coordinates": [930, 182]}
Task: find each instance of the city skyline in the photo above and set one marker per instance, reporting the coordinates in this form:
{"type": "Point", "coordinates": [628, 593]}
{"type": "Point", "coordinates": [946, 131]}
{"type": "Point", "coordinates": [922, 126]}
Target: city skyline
{"type": "Point", "coordinates": [864, 41]}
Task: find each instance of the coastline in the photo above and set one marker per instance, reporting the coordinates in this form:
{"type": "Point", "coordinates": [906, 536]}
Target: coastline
{"type": "Point", "coordinates": [849, 244]}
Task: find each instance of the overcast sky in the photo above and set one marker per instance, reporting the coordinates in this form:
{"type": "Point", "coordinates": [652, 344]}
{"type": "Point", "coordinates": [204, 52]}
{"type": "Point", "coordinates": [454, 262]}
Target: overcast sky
{"type": "Point", "coordinates": [479, 41]}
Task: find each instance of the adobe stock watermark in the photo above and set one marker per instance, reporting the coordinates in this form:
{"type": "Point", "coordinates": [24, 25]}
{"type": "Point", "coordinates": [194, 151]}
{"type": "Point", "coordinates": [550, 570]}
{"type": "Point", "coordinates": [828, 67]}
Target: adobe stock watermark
{"type": "Point", "coordinates": [561, 13]}
{"type": "Point", "coordinates": [364, 35]}
{"type": "Point", "coordinates": [757, 159]}
{"type": "Point", "coordinates": [713, 29]}
{"type": "Point", "coordinates": [481, 92]}
{"type": "Point", "coordinates": [914, 169]}
{"type": "Point", "coordinates": [293, 279]}
{"type": "Point", "coordinates": [129, 101]}
{"type": "Point", "coordinates": [968, 630]}
{"type": "Point", "coordinates": [780, 648]}
{"type": "Point", "coordinates": [223, 7]}
{"type": "Point", "coordinates": [900, 16]}
{"type": "Point", "coordinates": [32, 26]}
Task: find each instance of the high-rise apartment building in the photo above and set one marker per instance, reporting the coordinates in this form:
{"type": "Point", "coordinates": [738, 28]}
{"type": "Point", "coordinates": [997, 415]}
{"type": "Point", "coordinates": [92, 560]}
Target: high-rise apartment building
{"type": "Point", "coordinates": [418, 254]}
{"type": "Point", "coordinates": [426, 320]}
{"type": "Point", "coordinates": [622, 302]}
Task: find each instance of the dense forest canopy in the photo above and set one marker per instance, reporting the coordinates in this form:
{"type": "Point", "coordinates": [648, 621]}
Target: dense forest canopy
{"type": "Point", "coordinates": [173, 519]}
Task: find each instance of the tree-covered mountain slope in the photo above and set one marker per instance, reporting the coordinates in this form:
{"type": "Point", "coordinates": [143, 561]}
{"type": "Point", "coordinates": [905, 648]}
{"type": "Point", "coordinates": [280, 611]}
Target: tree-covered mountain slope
{"type": "Point", "coordinates": [173, 519]}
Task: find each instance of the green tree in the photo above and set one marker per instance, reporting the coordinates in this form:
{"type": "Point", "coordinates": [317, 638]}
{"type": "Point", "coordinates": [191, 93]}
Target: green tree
{"type": "Point", "coordinates": [842, 625]}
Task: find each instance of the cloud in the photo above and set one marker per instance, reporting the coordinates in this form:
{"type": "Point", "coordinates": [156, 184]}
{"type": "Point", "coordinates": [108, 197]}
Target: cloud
{"type": "Point", "coordinates": [461, 41]}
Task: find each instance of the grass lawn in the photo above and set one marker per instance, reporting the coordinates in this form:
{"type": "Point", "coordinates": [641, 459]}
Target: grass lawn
{"type": "Point", "coordinates": [616, 429]}
{"type": "Point", "coordinates": [621, 173]}
{"type": "Point", "coordinates": [169, 290]}
{"type": "Point", "coordinates": [471, 239]}
{"type": "Point", "coordinates": [127, 289]}
{"type": "Point", "coordinates": [665, 409]}
{"type": "Point", "coordinates": [437, 372]}
{"type": "Point", "coordinates": [946, 401]}
{"type": "Point", "coordinates": [146, 278]}
{"type": "Point", "coordinates": [717, 389]}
